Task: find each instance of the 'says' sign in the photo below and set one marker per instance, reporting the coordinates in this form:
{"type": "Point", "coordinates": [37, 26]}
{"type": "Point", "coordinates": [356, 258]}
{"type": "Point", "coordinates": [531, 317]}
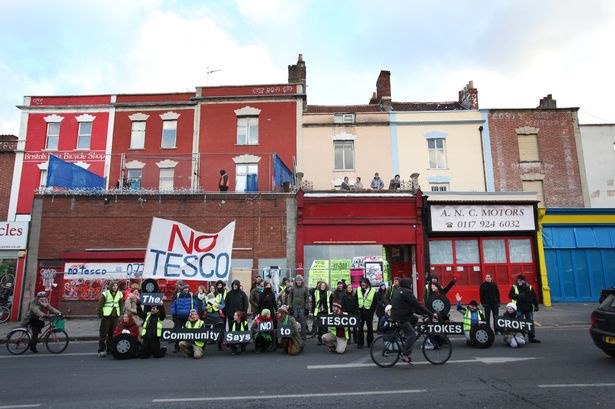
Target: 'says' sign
{"type": "Point", "coordinates": [175, 251]}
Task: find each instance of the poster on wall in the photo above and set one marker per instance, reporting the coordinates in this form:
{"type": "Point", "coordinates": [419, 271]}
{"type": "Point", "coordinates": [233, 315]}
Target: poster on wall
{"type": "Point", "coordinates": [356, 274]}
{"type": "Point", "coordinates": [319, 271]}
{"type": "Point", "coordinates": [340, 271]}
{"type": "Point", "coordinates": [84, 289]}
{"type": "Point", "coordinates": [374, 272]}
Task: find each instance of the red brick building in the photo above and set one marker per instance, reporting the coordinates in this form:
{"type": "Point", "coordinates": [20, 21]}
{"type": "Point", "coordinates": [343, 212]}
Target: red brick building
{"type": "Point", "coordinates": [8, 146]}
{"type": "Point", "coordinates": [538, 150]}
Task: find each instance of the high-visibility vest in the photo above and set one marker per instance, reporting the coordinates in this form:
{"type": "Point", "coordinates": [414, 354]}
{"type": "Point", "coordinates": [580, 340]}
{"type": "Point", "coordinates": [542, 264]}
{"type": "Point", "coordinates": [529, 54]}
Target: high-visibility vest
{"type": "Point", "coordinates": [365, 301]}
{"type": "Point", "coordinates": [333, 330]}
{"type": "Point", "coordinates": [317, 300]}
{"type": "Point", "coordinates": [195, 325]}
{"type": "Point", "coordinates": [218, 300]}
{"type": "Point", "coordinates": [111, 302]}
{"type": "Point", "coordinates": [467, 319]}
{"type": "Point", "coordinates": [158, 325]}
{"type": "Point", "coordinates": [243, 326]}
{"type": "Point", "coordinates": [516, 289]}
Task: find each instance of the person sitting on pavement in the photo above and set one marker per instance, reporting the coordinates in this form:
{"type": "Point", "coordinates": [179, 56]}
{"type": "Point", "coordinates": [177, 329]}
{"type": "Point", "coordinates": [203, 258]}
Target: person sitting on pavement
{"type": "Point", "coordinates": [385, 325]}
{"type": "Point", "coordinates": [193, 349]}
{"type": "Point", "coordinates": [293, 345]}
{"type": "Point", "coordinates": [38, 308]}
{"type": "Point", "coordinates": [130, 305]}
{"type": "Point", "coordinates": [404, 306]}
{"type": "Point", "coordinates": [263, 338]}
{"type": "Point", "coordinates": [336, 339]}
{"type": "Point", "coordinates": [240, 323]}
{"type": "Point", "coordinates": [151, 332]}
{"type": "Point", "coordinates": [472, 316]}
{"type": "Point", "coordinates": [127, 325]}
{"type": "Point", "coordinates": [433, 286]}
{"type": "Point", "coordinates": [522, 294]}
{"type": "Point", "coordinates": [182, 304]}
{"type": "Point", "coordinates": [512, 338]}
{"type": "Point", "coordinates": [110, 308]}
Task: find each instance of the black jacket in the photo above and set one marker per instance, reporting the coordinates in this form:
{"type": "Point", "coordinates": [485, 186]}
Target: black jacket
{"type": "Point", "coordinates": [350, 304]}
{"type": "Point", "coordinates": [236, 300]}
{"type": "Point", "coordinates": [489, 294]}
{"type": "Point", "coordinates": [405, 304]}
{"type": "Point", "coordinates": [526, 298]}
{"type": "Point", "coordinates": [380, 301]}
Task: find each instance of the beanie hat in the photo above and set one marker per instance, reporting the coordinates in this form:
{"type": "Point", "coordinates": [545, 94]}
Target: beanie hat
{"type": "Point", "coordinates": [299, 277]}
{"type": "Point", "coordinates": [521, 277]}
{"type": "Point", "coordinates": [473, 303]}
{"type": "Point", "coordinates": [388, 308]}
{"type": "Point", "coordinates": [265, 312]}
{"type": "Point", "coordinates": [283, 308]}
{"type": "Point", "coordinates": [512, 305]}
{"type": "Point", "coordinates": [337, 304]}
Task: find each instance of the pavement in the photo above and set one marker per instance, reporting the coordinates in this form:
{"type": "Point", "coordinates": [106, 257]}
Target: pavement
{"type": "Point", "coordinates": [559, 315]}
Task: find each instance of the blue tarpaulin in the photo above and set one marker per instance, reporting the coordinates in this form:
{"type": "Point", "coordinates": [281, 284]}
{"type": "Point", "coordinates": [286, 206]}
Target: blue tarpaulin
{"type": "Point", "coordinates": [70, 176]}
{"type": "Point", "coordinates": [281, 174]}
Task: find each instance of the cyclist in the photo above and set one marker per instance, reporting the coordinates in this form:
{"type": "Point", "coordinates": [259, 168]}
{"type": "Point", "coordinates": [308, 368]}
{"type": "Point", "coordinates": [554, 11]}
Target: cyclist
{"type": "Point", "coordinates": [36, 311]}
{"type": "Point", "coordinates": [404, 305]}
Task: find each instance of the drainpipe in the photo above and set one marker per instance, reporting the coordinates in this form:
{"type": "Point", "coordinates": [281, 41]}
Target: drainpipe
{"type": "Point", "coordinates": [482, 153]}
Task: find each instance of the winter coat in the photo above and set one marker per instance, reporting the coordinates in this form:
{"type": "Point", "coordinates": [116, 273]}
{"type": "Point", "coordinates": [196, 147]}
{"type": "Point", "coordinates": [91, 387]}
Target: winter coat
{"type": "Point", "coordinates": [405, 304]}
{"type": "Point", "coordinates": [130, 306]}
{"type": "Point", "coordinates": [298, 297]}
{"type": "Point", "coordinates": [380, 301]}
{"type": "Point", "coordinates": [489, 294]}
{"type": "Point", "coordinates": [441, 290]}
{"type": "Point", "coordinates": [182, 304]}
{"type": "Point", "coordinates": [36, 309]}
{"type": "Point", "coordinates": [267, 300]}
{"type": "Point", "coordinates": [255, 296]}
{"type": "Point", "coordinates": [526, 298]}
{"type": "Point", "coordinates": [130, 326]}
{"type": "Point", "coordinates": [350, 304]}
{"type": "Point", "coordinates": [236, 300]}
{"type": "Point", "coordinates": [338, 294]}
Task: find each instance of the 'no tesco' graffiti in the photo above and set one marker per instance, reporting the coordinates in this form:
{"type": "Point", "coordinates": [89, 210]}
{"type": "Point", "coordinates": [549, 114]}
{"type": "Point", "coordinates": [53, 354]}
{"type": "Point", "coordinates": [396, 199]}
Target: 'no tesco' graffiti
{"type": "Point", "coordinates": [175, 251]}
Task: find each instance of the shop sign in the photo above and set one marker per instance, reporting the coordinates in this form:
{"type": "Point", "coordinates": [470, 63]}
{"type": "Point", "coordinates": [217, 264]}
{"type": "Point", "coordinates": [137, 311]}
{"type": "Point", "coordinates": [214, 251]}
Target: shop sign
{"type": "Point", "coordinates": [111, 271]}
{"type": "Point", "coordinates": [487, 217]}
{"type": "Point", "coordinates": [177, 252]}
{"type": "Point", "coordinates": [13, 235]}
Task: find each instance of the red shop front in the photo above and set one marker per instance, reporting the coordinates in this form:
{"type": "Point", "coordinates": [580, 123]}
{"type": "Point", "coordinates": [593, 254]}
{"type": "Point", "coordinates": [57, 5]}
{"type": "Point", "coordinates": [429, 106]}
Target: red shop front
{"type": "Point", "coordinates": [469, 240]}
{"type": "Point", "coordinates": [336, 229]}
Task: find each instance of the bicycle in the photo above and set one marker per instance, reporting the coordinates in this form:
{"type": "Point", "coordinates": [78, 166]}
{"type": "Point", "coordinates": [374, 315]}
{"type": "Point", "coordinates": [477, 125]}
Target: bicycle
{"type": "Point", "coordinates": [53, 335]}
{"type": "Point", "coordinates": [386, 349]}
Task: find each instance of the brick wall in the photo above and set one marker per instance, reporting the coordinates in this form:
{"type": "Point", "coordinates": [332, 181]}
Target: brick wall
{"type": "Point", "coordinates": [8, 144]}
{"type": "Point", "coordinates": [559, 164]}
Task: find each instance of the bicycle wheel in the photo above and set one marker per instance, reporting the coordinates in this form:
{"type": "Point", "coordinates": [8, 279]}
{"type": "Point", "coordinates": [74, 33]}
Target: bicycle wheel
{"type": "Point", "coordinates": [56, 341]}
{"type": "Point", "coordinates": [385, 350]}
{"type": "Point", "coordinates": [17, 341]}
{"type": "Point", "coordinates": [7, 278]}
{"type": "Point", "coordinates": [5, 313]}
{"type": "Point", "coordinates": [437, 348]}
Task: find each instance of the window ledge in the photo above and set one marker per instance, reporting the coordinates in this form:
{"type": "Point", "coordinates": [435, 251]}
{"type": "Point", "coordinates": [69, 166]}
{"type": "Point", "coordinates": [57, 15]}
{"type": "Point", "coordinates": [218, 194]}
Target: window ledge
{"type": "Point", "coordinates": [136, 149]}
{"type": "Point", "coordinates": [174, 147]}
{"type": "Point", "coordinates": [246, 144]}
{"type": "Point", "coordinates": [344, 170]}
{"type": "Point", "coordinates": [49, 150]}
{"type": "Point", "coordinates": [437, 169]}
{"type": "Point", "coordinates": [82, 149]}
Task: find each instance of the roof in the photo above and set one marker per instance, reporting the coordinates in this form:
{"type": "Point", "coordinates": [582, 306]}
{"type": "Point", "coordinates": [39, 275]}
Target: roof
{"type": "Point", "coordinates": [427, 106]}
{"type": "Point", "coordinates": [331, 109]}
{"type": "Point", "coordinates": [397, 106]}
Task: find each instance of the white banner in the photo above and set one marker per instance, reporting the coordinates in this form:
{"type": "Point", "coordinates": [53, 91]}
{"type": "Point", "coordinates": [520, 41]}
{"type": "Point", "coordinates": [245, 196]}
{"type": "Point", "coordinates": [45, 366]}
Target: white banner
{"type": "Point", "coordinates": [112, 271]}
{"type": "Point", "coordinates": [13, 235]}
{"type": "Point", "coordinates": [176, 252]}
{"type": "Point", "coordinates": [492, 217]}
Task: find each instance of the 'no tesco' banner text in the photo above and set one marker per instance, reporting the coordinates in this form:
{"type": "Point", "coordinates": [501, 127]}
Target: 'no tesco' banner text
{"type": "Point", "coordinates": [177, 252]}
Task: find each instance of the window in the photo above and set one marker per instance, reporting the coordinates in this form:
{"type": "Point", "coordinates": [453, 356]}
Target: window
{"type": "Point", "coordinates": [169, 134]}
{"type": "Point", "coordinates": [134, 179]}
{"type": "Point", "coordinates": [137, 135]}
{"type": "Point", "coordinates": [441, 252]}
{"type": "Point", "coordinates": [166, 178]}
{"type": "Point", "coordinates": [520, 251]}
{"type": "Point", "coordinates": [344, 155]}
{"type": "Point", "coordinates": [535, 186]}
{"type": "Point", "coordinates": [53, 135]}
{"type": "Point", "coordinates": [85, 135]}
{"type": "Point", "coordinates": [437, 154]}
{"type": "Point", "coordinates": [528, 147]}
{"type": "Point", "coordinates": [247, 130]}
{"type": "Point", "coordinates": [466, 252]}
{"type": "Point", "coordinates": [494, 251]}
{"type": "Point", "coordinates": [344, 118]}
{"type": "Point", "coordinates": [246, 177]}
{"type": "Point", "coordinates": [439, 187]}
{"type": "Point", "coordinates": [43, 179]}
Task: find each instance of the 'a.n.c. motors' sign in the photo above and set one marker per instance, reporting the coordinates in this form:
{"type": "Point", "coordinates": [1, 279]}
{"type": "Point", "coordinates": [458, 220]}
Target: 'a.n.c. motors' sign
{"type": "Point", "coordinates": [13, 235]}
{"type": "Point", "coordinates": [175, 251]}
{"type": "Point", "coordinates": [483, 217]}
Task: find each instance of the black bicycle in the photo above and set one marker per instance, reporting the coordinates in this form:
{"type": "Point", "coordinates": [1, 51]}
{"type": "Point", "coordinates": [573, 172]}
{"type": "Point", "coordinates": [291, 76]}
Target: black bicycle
{"type": "Point", "coordinates": [387, 348]}
{"type": "Point", "coordinates": [53, 335]}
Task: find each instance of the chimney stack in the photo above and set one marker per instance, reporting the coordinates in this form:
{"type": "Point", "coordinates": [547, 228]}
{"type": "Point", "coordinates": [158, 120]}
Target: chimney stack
{"type": "Point", "coordinates": [383, 90]}
{"type": "Point", "coordinates": [547, 103]}
{"type": "Point", "coordinates": [468, 96]}
{"type": "Point", "coordinates": [297, 72]}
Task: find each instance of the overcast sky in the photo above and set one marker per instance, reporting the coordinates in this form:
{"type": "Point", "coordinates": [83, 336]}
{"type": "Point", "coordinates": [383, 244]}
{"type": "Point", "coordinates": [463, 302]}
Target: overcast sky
{"type": "Point", "coordinates": [515, 51]}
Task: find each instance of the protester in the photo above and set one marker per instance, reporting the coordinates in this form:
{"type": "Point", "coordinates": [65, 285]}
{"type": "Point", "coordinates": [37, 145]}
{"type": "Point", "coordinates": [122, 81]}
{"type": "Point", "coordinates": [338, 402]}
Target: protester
{"type": "Point", "coordinates": [130, 305]}
{"type": "Point", "coordinates": [127, 323]}
{"type": "Point", "coordinates": [358, 185]}
{"type": "Point", "coordinates": [385, 325]}
{"type": "Point", "coordinates": [240, 323]}
{"type": "Point", "coordinates": [512, 338]}
{"type": "Point", "coordinates": [365, 300]}
{"type": "Point", "coordinates": [179, 285]}
{"type": "Point", "coordinates": [490, 300]}
{"type": "Point", "coordinates": [255, 295]}
{"type": "Point", "coordinates": [522, 294]}
{"type": "Point", "coordinates": [336, 339]}
{"type": "Point", "coordinates": [263, 340]}
{"type": "Point", "coordinates": [350, 305]}
{"type": "Point", "coordinates": [472, 316]}
{"type": "Point", "coordinates": [282, 298]}
{"type": "Point", "coordinates": [293, 345]}
{"type": "Point", "coordinates": [377, 183]}
{"type": "Point", "coordinates": [217, 304]}
{"type": "Point", "coordinates": [38, 308]}
{"type": "Point", "coordinates": [193, 349]}
{"type": "Point", "coordinates": [267, 299]}
{"type": "Point", "coordinates": [433, 286]}
{"type": "Point", "coordinates": [283, 285]}
{"type": "Point", "coordinates": [151, 332]}
{"type": "Point", "coordinates": [298, 302]}
{"type": "Point", "coordinates": [182, 304]}
{"type": "Point", "coordinates": [395, 183]}
{"type": "Point", "coordinates": [380, 299]}
{"type": "Point", "coordinates": [345, 186]}
{"type": "Point", "coordinates": [110, 308]}
{"type": "Point", "coordinates": [339, 292]}
{"type": "Point", "coordinates": [236, 300]}
{"type": "Point", "coordinates": [201, 299]}
{"type": "Point", "coordinates": [322, 305]}
{"type": "Point", "coordinates": [392, 291]}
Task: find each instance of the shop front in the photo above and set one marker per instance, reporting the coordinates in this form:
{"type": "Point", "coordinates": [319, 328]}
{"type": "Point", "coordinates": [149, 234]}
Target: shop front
{"type": "Point", "coordinates": [469, 239]}
{"type": "Point", "coordinates": [347, 236]}
{"type": "Point", "coordinates": [13, 242]}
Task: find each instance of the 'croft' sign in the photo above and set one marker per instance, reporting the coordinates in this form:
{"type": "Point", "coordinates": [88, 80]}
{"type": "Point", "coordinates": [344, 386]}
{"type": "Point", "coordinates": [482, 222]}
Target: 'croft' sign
{"type": "Point", "coordinates": [13, 235]}
{"type": "Point", "coordinates": [484, 217]}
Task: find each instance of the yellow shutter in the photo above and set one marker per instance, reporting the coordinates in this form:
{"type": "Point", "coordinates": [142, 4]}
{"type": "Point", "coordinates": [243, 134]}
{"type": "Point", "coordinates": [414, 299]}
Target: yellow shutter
{"type": "Point", "coordinates": [535, 186]}
{"type": "Point", "coordinates": [528, 148]}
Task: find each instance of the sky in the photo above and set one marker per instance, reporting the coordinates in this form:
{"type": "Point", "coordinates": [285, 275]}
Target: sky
{"type": "Point", "coordinates": [515, 51]}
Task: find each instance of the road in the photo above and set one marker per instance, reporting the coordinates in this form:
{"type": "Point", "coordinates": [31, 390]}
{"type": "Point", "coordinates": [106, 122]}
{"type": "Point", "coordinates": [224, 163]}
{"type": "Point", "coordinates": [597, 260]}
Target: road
{"type": "Point", "coordinates": [565, 371]}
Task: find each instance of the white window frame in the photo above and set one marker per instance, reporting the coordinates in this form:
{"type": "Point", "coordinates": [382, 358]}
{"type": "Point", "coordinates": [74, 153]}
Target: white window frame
{"type": "Point", "coordinates": [134, 173]}
{"type": "Point", "coordinates": [242, 170]}
{"type": "Point", "coordinates": [439, 187]}
{"type": "Point", "coordinates": [167, 177]}
{"type": "Point", "coordinates": [347, 118]}
{"type": "Point", "coordinates": [341, 144]}
{"type": "Point", "coordinates": [43, 179]}
{"type": "Point", "coordinates": [50, 135]}
{"type": "Point", "coordinates": [82, 134]}
{"type": "Point", "coordinates": [169, 125]}
{"type": "Point", "coordinates": [247, 124]}
{"type": "Point", "coordinates": [436, 149]}
{"type": "Point", "coordinates": [137, 135]}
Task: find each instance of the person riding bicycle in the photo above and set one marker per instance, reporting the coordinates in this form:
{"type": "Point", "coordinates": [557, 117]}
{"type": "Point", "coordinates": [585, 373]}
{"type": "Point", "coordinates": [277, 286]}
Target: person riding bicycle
{"type": "Point", "coordinates": [404, 305]}
{"type": "Point", "coordinates": [36, 311]}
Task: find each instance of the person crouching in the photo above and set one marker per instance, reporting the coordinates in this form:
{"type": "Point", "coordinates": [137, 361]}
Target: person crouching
{"type": "Point", "coordinates": [263, 339]}
{"type": "Point", "coordinates": [337, 337]}
{"type": "Point", "coordinates": [512, 338]}
{"type": "Point", "coordinates": [294, 344]}
{"type": "Point", "coordinates": [151, 331]}
{"type": "Point", "coordinates": [240, 323]}
{"type": "Point", "coordinates": [193, 349]}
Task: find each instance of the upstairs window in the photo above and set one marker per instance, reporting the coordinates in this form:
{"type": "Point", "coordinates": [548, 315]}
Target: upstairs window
{"type": "Point", "coordinates": [246, 177]}
{"type": "Point", "coordinates": [247, 131]}
{"type": "Point", "coordinates": [85, 135]}
{"type": "Point", "coordinates": [137, 135]}
{"type": "Point", "coordinates": [344, 155]}
{"type": "Point", "coordinates": [53, 136]}
{"type": "Point", "coordinates": [166, 178]}
{"type": "Point", "coordinates": [437, 153]}
{"type": "Point", "coordinates": [439, 187]}
{"type": "Point", "coordinates": [169, 134]}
